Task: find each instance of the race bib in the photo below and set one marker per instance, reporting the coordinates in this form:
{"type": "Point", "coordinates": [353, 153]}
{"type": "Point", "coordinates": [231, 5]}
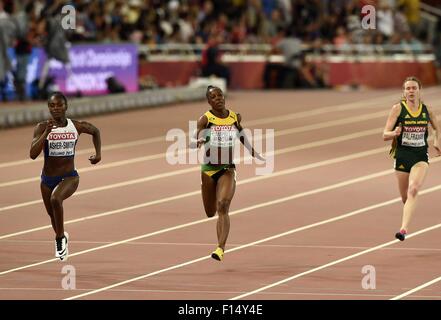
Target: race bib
{"type": "Point", "coordinates": [223, 136]}
{"type": "Point", "coordinates": [413, 136]}
{"type": "Point", "coordinates": [61, 144]}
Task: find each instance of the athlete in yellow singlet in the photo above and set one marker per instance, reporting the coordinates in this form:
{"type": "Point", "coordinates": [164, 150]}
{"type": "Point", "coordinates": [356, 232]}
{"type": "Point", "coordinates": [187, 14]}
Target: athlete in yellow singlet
{"type": "Point", "coordinates": [217, 130]}
{"type": "Point", "coordinates": [407, 126]}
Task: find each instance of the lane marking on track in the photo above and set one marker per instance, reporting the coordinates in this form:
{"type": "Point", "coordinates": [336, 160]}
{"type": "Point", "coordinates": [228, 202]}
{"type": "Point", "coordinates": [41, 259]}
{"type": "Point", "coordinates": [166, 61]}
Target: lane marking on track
{"type": "Point", "coordinates": [289, 116]}
{"type": "Point", "coordinates": [407, 293]}
{"type": "Point", "coordinates": [197, 192]}
{"type": "Point", "coordinates": [323, 222]}
{"type": "Point", "coordinates": [163, 155]}
{"type": "Point", "coordinates": [333, 263]}
{"type": "Point", "coordinates": [218, 292]}
{"type": "Point", "coordinates": [246, 209]}
{"type": "Point", "coordinates": [196, 244]}
{"type": "Point", "coordinates": [197, 168]}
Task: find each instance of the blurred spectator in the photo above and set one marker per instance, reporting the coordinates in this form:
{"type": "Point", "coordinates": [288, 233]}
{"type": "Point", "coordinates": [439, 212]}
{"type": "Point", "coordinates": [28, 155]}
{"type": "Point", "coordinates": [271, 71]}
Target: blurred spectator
{"type": "Point", "coordinates": [385, 19]}
{"type": "Point", "coordinates": [379, 41]}
{"type": "Point", "coordinates": [341, 39]}
{"type": "Point", "coordinates": [437, 42]}
{"type": "Point", "coordinates": [235, 21]}
{"type": "Point", "coordinates": [212, 65]}
{"type": "Point", "coordinates": [329, 27]}
{"type": "Point", "coordinates": [367, 2]}
{"type": "Point", "coordinates": [25, 34]}
{"type": "Point", "coordinates": [5, 63]}
{"type": "Point", "coordinates": [206, 15]}
{"type": "Point", "coordinates": [412, 11]}
{"type": "Point", "coordinates": [3, 10]}
{"type": "Point", "coordinates": [353, 24]}
{"type": "Point", "coordinates": [311, 76]}
{"type": "Point", "coordinates": [411, 44]}
{"type": "Point", "coordinates": [114, 86]}
{"type": "Point", "coordinates": [395, 39]}
{"type": "Point", "coordinates": [289, 46]}
{"type": "Point", "coordinates": [287, 9]}
{"type": "Point", "coordinates": [239, 31]}
{"type": "Point", "coordinates": [269, 27]}
{"type": "Point", "coordinates": [55, 42]}
{"type": "Point", "coordinates": [286, 74]}
{"type": "Point", "coordinates": [268, 7]}
{"type": "Point", "coordinates": [400, 20]}
{"type": "Point", "coordinates": [155, 22]}
{"type": "Point", "coordinates": [147, 82]}
{"type": "Point", "coordinates": [185, 26]}
{"type": "Point", "coordinates": [7, 29]}
{"type": "Point", "coordinates": [253, 16]}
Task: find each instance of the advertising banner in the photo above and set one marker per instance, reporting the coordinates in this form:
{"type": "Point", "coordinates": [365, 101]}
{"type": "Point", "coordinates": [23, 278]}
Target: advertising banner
{"type": "Point", "coordinates": [92, 64]}
{"type": "Point", "coordinates": [90, 67]}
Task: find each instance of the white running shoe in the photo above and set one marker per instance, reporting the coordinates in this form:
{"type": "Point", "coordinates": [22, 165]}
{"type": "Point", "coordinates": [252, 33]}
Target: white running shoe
{"type": "Point", "coordinates": [61, 247]}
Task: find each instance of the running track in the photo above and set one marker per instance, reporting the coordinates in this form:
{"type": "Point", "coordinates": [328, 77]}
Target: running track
{"type": "Point", "coordinates": [138, 229]}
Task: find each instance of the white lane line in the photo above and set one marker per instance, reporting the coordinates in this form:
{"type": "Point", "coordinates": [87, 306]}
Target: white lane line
{"type": "Point", "coordinates": [114, 164]}
{"type": "Point", "coordinates": [196, 168]}
{"type": "Point", "coordinates": [265, 120]}
{"type": "Point", "coordinates": [368, 103]}
{"type": "Point", "coordinates": [340, 217]}
{"type": "Point", "coordinates": [407, 293]}
{"type": "Point", "coordinates": [333, 263]}
{"type": "Point", "coordinates": [217, 292]}
{"type": "Point", "coordinates": [250, 208]}
{"type": "Point", "coordinates": [198, 244]}
{"type": "Point", "coordinates": [197, 192]}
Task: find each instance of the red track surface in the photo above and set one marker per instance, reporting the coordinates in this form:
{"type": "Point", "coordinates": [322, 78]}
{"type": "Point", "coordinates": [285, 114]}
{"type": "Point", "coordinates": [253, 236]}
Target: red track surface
{"type": "Point", "coordinates": [328, 178]}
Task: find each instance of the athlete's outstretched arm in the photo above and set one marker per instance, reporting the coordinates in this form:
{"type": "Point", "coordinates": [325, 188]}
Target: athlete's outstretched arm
{"type": "Point", "coordinates": [243, 138]}
{"type": "Point", "coordinates": [389, 131]}
{"type": "Point", "coordinates": [435, 126]}
{"type": "Point", "coordinates": [86, 127]}
{"type": "Point", "coordinates": [196, 140]}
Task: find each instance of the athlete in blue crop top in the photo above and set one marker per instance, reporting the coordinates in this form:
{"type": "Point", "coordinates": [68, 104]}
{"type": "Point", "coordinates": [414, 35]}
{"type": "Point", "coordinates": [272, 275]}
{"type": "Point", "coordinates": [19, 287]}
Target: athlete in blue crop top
{"type": "Point", "coordinates": [59, 179]}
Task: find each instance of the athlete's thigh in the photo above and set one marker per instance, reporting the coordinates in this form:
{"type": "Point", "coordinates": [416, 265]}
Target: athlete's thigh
{"type": "Point", "coordinates": [418, 173]}
{"type": "Point", "coordinates": [403, 182]}
{"type": "Point", "coordinates": [66, 188]}
{"type": "Point", "coordinates": [208, 188]}
{"type": "Point", "coordinates": [46, 194]}
{"type": "Point", "coordinates": [226, 185]}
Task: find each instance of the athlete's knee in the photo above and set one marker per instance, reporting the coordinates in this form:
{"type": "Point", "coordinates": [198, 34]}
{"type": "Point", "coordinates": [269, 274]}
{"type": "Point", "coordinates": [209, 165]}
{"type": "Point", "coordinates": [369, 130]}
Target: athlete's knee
{"type": "Point", "coordinates": [223, 206]}
{"type": "Point", "coordinates": [56, 201]}
{"type": "Point", "coordinates": [413, 189]}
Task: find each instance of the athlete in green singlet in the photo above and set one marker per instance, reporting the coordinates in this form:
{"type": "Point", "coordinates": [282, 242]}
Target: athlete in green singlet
{"type": "Point", "coordinates": [407, 126]}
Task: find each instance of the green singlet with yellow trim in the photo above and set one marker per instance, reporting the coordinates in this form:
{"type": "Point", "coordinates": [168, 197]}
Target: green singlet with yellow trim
{"type": "Point", "coordinates": [221, 134]}
{"type": "Point", "coordinates": [411, 146]}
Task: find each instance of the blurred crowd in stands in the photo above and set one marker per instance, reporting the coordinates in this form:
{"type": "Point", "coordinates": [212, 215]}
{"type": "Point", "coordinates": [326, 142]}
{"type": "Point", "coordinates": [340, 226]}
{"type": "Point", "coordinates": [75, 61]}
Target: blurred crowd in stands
{"type": "Point", "coordinates": [241, 21]}
{"type": "Point", "coordinates": [285, 24]}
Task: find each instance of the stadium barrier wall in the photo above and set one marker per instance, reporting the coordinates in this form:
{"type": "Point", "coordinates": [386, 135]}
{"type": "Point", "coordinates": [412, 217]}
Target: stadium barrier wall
{"type": "Point", "coordinates": [249, 74]}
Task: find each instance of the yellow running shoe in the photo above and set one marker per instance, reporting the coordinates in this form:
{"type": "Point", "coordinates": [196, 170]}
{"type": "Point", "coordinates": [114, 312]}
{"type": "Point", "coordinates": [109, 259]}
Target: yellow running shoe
{"type": "Point", "coordinates": [218, 254]}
